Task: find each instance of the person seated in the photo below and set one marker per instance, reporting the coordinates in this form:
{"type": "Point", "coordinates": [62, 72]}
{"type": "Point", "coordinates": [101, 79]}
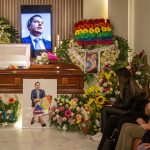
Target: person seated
{"type": "Point", "coordinates": [130, 131]}
{"type": "Point", "coordinates": [110, 116]}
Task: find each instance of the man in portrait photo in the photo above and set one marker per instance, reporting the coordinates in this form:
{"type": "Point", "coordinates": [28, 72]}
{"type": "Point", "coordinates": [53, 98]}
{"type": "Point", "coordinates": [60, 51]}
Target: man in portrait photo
{"type": "Point", "coordinates": [36, 95]}
{"type": "Point", "coordinates": [35, 26]}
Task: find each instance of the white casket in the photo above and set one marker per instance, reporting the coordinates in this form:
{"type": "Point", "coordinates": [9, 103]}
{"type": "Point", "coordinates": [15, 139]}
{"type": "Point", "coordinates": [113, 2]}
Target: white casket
{"type": "Point", "coordinates": [14, 55]}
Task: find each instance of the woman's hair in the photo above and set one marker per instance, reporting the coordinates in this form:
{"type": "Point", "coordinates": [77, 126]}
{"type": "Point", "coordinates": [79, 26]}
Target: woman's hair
{"type": "Point", "coordinates": [127, 77]}
{"type": "Point", "coordinates": [124, 72]}
{"type": "Point", "coordinates": [135, 87]}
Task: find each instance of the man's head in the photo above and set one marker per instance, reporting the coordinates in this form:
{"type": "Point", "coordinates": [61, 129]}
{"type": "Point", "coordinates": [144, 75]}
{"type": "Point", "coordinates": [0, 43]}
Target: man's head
{"type": "Point", "coordinates": [36, 25]}
{"type": "Point", "coordinates": [147, 109]}
{"type": "Point", "coordinates": [37, 85]}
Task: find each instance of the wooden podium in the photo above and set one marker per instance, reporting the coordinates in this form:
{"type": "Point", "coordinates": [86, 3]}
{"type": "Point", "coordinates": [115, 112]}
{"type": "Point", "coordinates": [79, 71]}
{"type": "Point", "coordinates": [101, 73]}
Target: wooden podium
{"type": "Point", "coordinates": [70, 78]}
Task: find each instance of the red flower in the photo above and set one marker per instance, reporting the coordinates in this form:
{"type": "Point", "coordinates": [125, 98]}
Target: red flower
{"type": "Point", "coordinates": [11, 100]}
{"type": "Point", "coordinates": [67, 113]}
{"type": "Point", "coordinates": [102, 20]}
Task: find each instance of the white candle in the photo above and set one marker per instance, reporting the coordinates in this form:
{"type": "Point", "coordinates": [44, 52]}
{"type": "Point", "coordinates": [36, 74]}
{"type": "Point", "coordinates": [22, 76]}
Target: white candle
{"type": "Point", "coordinates": [60, 42]}
{"type": "Point", "coordinates": [55, 51]}
{"type": "Point", "coordinates": [58, 37]}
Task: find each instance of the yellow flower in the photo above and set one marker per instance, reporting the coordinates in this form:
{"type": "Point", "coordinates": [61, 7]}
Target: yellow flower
{"type": "Point", "coordinates": [103, 29]}
{"type": "Point", "coordinates": [100, 101]}
{"type": "Point", "coordinates": [77, 32]}
{"type": "Point", "coordinates": [107, 75]}
{"type": "Point", "coordinates": [72, 103]}
{"type": "Point", "coordinates": [91, 30]}
{"type": "Point", "coordinates": [90, 101]}
{"type": "Point", "coordinates": [85, 31]}
{"type": "Point", "coordinates": [102, 74]}
{"type": "Point", "coordinates": [108, 29]}
{"type": "Point", "coordinates": [97, 30]}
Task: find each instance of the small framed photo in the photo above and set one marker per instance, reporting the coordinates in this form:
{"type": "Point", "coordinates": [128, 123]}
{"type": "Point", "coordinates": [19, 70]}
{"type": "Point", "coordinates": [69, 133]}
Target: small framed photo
{"type": "Point", "coordinates": [92, 62]}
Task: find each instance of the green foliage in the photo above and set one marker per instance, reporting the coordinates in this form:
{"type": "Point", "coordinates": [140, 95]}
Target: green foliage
{"type": "Point", "coordinates": [62, 52]}
{"type": "Point", "coordinates": [8, 34]}
{"type": "Point", "coordinates": [89, 77]}
{"type": "Point", "coordinates": [122, 59]}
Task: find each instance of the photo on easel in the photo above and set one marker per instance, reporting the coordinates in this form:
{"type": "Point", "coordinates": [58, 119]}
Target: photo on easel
{"type": "Point", "coordinates": [92, 62]}
{"type": "Point", "coordinates": [38, 97]}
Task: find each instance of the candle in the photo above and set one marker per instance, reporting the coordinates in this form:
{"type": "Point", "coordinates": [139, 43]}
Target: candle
{"type": "Point", "coordinates": [58, 37]}
{"type": "Point", "coordinates": [60, 42]}
{"type": "Point", "coordinates": [55, 51]}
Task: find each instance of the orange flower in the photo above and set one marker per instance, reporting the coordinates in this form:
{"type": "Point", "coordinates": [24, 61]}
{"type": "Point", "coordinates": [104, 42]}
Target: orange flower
{"type": "Point", "coordinates": [96, 25]}
{"type": "Point", "coordinates": [85, 26]}
{"type": "Point", "coordinates": [11, 100]}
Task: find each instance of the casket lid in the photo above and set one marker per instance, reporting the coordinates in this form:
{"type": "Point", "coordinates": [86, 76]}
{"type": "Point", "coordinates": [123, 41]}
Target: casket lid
{"type": "Point", "coordinates": [14, 54]}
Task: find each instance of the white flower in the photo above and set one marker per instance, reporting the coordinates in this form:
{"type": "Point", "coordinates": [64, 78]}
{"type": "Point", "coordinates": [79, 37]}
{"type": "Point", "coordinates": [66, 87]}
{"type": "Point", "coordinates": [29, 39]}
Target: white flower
{"type": "Point", "coordinates": [38, 57]}
{"type": "Point", "coordinates": [57, 110]}
{"type": "Point", "coordinates": [57, 116]}
{"type": "Point", "coordinates": [138, 73]}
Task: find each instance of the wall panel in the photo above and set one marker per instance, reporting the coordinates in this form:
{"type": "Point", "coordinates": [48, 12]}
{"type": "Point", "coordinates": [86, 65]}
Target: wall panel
{"type": "Point", "coordinates": [65, 14]}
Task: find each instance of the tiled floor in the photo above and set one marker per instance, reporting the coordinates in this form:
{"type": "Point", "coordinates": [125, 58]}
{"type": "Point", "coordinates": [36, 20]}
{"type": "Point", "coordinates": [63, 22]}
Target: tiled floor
{"type": "Point", "coordinates": [44, 139]}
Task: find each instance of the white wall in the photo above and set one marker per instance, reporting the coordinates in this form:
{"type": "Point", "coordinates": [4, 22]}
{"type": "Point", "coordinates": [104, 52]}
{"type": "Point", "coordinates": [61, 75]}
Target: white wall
{"type": "Point", "coordinates": [118, 14]}
{"type": "Point", "coordinates": [93, 9]}
{"type": "Point", "coordinates": [142, 26]}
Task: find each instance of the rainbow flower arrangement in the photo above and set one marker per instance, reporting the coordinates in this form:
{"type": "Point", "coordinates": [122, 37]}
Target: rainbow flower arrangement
{"type": "Point", "coordinates": [93, 32]}
{"type": "Point", "coordinates": [9, 110]}
{"type": "Point", "coordinates": [108, 82]}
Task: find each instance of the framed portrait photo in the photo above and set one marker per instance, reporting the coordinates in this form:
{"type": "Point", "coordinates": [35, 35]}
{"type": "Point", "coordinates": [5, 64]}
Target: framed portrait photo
{"type": "Point", "coordinates": [91, 62]}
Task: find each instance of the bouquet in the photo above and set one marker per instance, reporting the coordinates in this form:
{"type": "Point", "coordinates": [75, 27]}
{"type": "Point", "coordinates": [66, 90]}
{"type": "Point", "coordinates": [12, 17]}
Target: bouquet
{"type": "Point", "coordinates": [95, 102]}
{"type": "Point", "coordinates": [46, 58]}
{"type": "Point", "coordinates": [67, 113]}
{"type": "Point", "coordinates": [9, 110]}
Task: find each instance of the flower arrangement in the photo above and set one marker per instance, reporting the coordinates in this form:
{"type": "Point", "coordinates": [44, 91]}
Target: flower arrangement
{"type": "Point", "coordinates": [141, 75]}
{"type": "Point", "coordinates": [45, 58]}
{"type": "Point", "coordinates": [9, 110]}
{"type": "Point", "coordinates": [109, 56]}
{"type": "Point", "coordinates": [7, 33]}
{"type": "Point", "coordinates": [108, 82]}
{"type": "Point", "coordinates": [93, 31]}
{"type": "Point", "coordinates": [67, 113]}
{"type": "Point", "coordinates": [139, 69]}
{"type": "Point", "coordinates": [95, 101]}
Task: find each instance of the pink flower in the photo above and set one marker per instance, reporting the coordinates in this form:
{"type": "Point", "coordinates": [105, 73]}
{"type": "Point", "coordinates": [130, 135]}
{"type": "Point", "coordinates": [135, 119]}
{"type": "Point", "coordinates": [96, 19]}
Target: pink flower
{"type": "Point", "coordinates": [75, 99]}
{"type": "Point", "coordinates": [52, 56]}
{"type": "Point", "coordinates": [64, 119]}
{"type": "Point", "coordinates": [61, 109]}
{"type": "Point", "coordinates": [53, 108]}
{"type": "Point", "coordinates": [68, 113]}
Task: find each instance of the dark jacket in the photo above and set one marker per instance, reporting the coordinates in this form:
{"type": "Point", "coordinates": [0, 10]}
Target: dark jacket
{"type": "Point", "coordinates": [34, 95]}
